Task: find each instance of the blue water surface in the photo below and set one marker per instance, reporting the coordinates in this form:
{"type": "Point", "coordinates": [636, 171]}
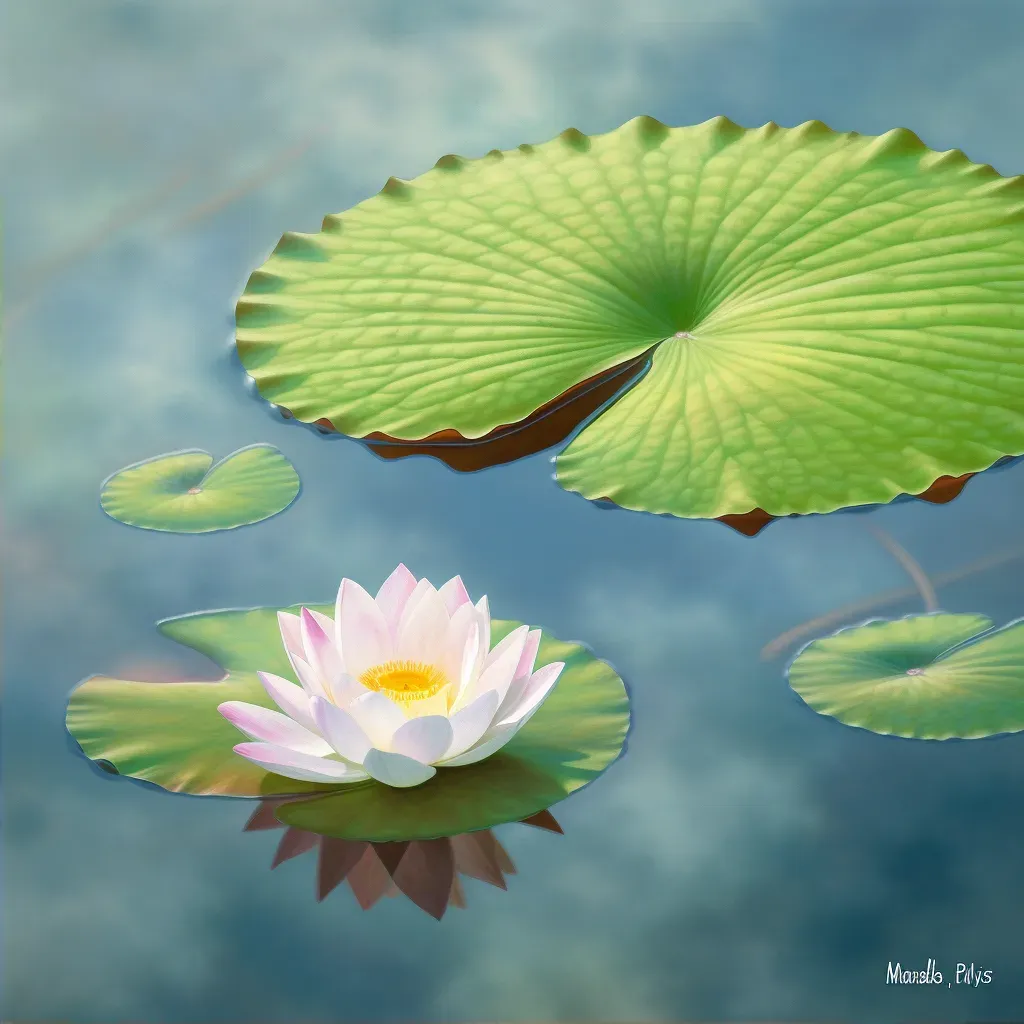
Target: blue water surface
{"type": "Point", "coordinates": [747, 859]}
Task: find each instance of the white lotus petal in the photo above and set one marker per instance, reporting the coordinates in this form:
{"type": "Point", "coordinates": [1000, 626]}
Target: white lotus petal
{"type": "Point", "coordinates": [379, 717]}
{"type": "Point", "coordinates": [512, 697]}
{"type": "Point", "coordinates": [291, 699]}
{"type": "Point", "coordinates": [294, 765]}
{"type": "Point", "coordinates": [325, 622]}
{"type": "Point", "coordinates": [469, 724]}
{"type": "Point", "coordinates": [453, 658]}
{"type": "Point", "coordinates": [422, 633]}
{"type": "Point", "coordinates": [422, 588]}
{"type": "Point", "coordinates": [260, 723]}
{"type": "Point", "coordinates": [470, 656]}
{"type": "Point", "coordinates": [345, 689]}
{"type": "Point", "coordinates": [307, 677]}
{"type": "Point", "coordinates": [521, 679]}
{"type": "Point", "coordinates": [291, 632]}
{"type": "Point", "coordinates": [529, 657]}
{"type": "Point", "coordinates": [498, 672]}
{"type": "Point", "coordinates": [424, 739]}
{"type": "Point", "coordinates": [393, 595]}
{"type": "Point", "coordinates": [483, 610]}
{"type": "Point", "coordinates": [538, 689]}
{"type": "Point", "coordinates": [517, 639]}
{"type": "Point", "coordinates": [454, 594]}
{"type": "Point", "coordinates": [342, 731]}
{"type": "Point", "coordinates": [492, 742]}
{"type": "Point", "coordinates": [365, 639]}
{"type": "Point", "coordinates": [396, 769]}
{"type": "Point", "coordinates": [318, 644]}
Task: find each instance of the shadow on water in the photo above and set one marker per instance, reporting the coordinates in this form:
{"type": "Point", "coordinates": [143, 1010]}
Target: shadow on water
{"type": "Point", "coordinates": [426, 871]}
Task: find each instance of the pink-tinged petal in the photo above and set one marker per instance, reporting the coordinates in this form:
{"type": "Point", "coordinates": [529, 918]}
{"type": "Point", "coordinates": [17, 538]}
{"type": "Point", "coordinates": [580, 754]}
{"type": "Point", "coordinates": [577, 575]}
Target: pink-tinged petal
{"type": "Point", "coordinates": [362, 630]}
{"type": "Point", "coordinates": [463, 623]}
{"type": "Point", "coordinates": [497, 674]}
{"type": "Point", "coordinates": [522, 677]}
{"type": "Point", "coordinates": [483, 610]}
{"type": "Point", "coordinates": [422, 588]}
{"type": "Point", "coordinates": [469, 724]}
{"type": "Point", "coordinates": [345, 689]}
{"type": "Point", "coordinates": [393, 595]}
{"type": "Point", "coordinates": [342, 731]}
{"type": "Point", "coordinates": [492, 742]}
{"type": "Point", "coordinates": [538, 689]}
{"type": "Point", "coordinates": [310, 681]}
{"type": "Point", "coordinates": [517, 639]}
{"type": "Point", "coordinates": [423, 739]}
{"type": "Point", "coordinates": [422, 633]}
{"type": "Point", "coordinates": [454, 594]}
{"type": "Point", "coordinates": [291, 632]}
{"type": "Point", "coordinates": [272, 727]}
{"type": "Point", "coordinates": [294, 765]}
{"type": "Point", "coordinates": [319, 651]}
{"type": "Point", "coordinates": [470, 658]}
{"type": "Point", "coordinates": [525, 667]}
{"type": "Point", "coordinates": [378, 717]}
{"type": "Point", "coordinates": [516, 689]}
{"type": "Point", "coordinates": [325, 622]}
{"type": "Point", "coordinates": [291, 699]}
{"type": "Point", "coordinates": [396, 769]}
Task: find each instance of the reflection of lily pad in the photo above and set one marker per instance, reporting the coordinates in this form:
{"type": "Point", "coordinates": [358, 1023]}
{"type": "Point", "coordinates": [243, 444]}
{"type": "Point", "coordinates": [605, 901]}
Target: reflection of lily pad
{"type": "Point", "coordinates": [171, 734]}
{"type": "Point", "coordinates": [933, 676]}
{"type": "Point", "coordinates": [184, 492]}
{"type": "Point", "coordinates": [426, 870]}
{"type": "Point", "coordinates": [828, 319]}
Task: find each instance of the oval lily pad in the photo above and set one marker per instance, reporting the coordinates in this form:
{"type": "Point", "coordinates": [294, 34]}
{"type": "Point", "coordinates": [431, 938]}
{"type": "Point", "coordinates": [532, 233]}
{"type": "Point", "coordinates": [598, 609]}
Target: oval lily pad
{"type": "Point", "coordinates": [828, 319]}
{"type": "Point", "coordinates": [184, 492]}
{"type": "Point", "coordinates": [171, 734]}
{"type": "Point", "coordinates": [935, 676]}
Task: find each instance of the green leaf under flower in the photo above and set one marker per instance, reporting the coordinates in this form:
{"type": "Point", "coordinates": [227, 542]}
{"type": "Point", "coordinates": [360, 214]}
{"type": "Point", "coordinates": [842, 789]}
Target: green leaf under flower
{"type": "Point", "coordinates": [171, 734]}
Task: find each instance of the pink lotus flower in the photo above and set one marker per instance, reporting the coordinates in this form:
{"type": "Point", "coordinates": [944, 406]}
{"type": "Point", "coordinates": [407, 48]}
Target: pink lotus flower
{"type": "Point", "coordinates": [393, 687]}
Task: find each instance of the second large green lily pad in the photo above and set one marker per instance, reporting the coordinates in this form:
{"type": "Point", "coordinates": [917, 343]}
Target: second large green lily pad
{"type": "Point", "coordinates": [828, 319]}
{"type": "Point", "coordinates": [934, 676]}
{"type": "Point", "coordinates": [171, 734]}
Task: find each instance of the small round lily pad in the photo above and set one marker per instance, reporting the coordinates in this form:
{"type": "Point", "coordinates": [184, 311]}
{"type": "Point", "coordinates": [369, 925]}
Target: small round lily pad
{"type": "Point", "coordinates": [826, 319]}
{"type": "Point", "coordinates": [171, 734]}
{"type": "Point", "coordinates": [935, 676]}
{"type": "Point", "coordinates": [184, 492]}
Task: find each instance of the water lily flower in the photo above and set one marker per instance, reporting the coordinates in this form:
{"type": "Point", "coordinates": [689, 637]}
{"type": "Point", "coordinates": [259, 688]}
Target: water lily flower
{"type": "Point", "coordinates": [393, 687]}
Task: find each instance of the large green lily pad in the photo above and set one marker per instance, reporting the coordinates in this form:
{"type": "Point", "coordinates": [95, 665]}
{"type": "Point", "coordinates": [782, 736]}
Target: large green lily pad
{"type": "Point", "coordinates": [172, 735]}
{"type": "Point", "coordinates": [934, 676]}
{"type": "Point", "coordinates": [829, 319]}
{"type": "Point", "coordinates": [184, 492]}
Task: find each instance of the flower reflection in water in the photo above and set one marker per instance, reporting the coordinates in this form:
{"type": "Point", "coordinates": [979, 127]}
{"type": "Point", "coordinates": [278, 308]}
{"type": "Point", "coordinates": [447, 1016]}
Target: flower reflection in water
{"type": "Point", "coordinates": [427, 871]}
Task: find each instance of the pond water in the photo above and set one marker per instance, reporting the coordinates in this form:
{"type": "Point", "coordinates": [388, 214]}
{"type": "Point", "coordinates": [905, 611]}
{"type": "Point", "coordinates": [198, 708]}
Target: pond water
{"type": "Point", "coordinates": [746, 858]}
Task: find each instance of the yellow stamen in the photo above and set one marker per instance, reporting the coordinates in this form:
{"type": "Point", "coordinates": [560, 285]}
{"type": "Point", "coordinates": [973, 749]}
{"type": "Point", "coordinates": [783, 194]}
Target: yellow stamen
{"type": "Point", "coordinates": [404, 680]}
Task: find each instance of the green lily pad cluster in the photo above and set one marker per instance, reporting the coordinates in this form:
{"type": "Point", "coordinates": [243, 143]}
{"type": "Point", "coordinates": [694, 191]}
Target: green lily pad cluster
{"type": "Point", "coordinates": [184, 492]}
{"type": "Point", "coordinates": [170, 734]}
{"type": "Point", "coordinates": [935, 676]}
{"type": "Point", "coordinates": [820, 319]}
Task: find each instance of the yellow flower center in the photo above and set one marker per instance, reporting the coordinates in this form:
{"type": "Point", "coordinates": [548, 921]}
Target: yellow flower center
{"type": "Point", "coordinates": [404, 680]}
